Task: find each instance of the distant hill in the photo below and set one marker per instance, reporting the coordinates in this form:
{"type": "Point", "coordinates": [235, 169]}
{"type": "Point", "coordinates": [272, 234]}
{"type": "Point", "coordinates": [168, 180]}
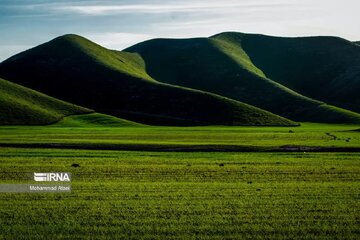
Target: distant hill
{"type": "Point", "coordinates": [322, 68]}
{"type": "Point", "coordinates": [226, 64]}
{"type": "Point", "coordinates": [20, 105]}
{"type": "Point", "coordinates": [358, 42]}
{"type": "Point", "coordinates": [117, 83]}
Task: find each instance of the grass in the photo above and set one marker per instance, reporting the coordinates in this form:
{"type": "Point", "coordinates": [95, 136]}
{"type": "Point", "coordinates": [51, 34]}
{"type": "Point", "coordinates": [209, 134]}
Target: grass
{"type": "Point", "coordinates": [126, 63]}
{"type": "Point", "coordinates": [116, 83]}
{"type": "Point", "coordinates": [186, 194]}
{"type": "Point", "coordinates": [152, 195]}
{"type": "Point", "coordinates": [323, 68]}
{"type": "Point", "coordinates": [21, 105]}
{"type": "Point", "coordinates": [212, 138]}
{"type": "Point", "coordinates": [95, 120]}
{"type": "Point", "coordinates": [225, 65]}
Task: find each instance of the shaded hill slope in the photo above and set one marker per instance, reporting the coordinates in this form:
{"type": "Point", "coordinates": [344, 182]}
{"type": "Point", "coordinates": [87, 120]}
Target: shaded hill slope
{"type": "Point", "coordinates": [325, 68]}
{"type": "Point", "coordinates": [79, 71]}
{"type": "Point", "coordinates": [20, 105]}
{"type": "Point", "coordinates": [220, 65]}
{"type": "Point", "coordinates": [94, 120]}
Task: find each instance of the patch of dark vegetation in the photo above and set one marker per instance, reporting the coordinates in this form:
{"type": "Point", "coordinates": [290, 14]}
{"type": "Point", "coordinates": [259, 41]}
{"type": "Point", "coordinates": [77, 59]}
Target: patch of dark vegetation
{"type": "Point", "coordinates": [221, 165]}
{"type": "Point", "coordinates": [182, 148]}
{"type": "Point", "coordinates": [75, 165]}
{"type": "Point", "coordinates": [337, 138]}
{"type": "Point", "coordinates": [332, 136]}
{"type": "Point", "coordinates": [354, 130]}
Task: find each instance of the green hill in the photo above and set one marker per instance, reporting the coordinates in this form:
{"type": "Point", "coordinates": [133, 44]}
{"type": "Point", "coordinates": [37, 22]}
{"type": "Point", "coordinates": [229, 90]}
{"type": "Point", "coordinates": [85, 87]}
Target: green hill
{"type": "Point", "coordinates": [222, 65]}
{"type": "Point", "coordinates": [94, 120]}
{"type": "Point", "coordinates": [20, 105]}
{"type": "Point", "coordinates": [323, 68]}
{"type": "Point", "coordinates": [117, 83]}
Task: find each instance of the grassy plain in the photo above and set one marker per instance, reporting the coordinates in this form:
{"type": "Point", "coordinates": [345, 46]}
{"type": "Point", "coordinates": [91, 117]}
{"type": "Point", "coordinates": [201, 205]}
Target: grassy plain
{"type": "Point", "coordinates": [182, 195]}
{"type": "Point", "coordinates": [73, 133]}
{"type": "Point", "coordinates": [177, 195]}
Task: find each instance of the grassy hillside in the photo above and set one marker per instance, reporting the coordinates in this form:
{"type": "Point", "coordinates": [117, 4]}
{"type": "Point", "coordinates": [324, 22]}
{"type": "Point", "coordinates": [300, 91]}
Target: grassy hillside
{"type": "Point", "coordinates": [20, 105]}
{"type": "Point", "coordinates": [94, 120]}
{"type": "Point", "coordinates": [72, 68]}
{"type": "Point", "coordinates": [220, 65]}
{"type": "Point", "coordinates": [324, 68]}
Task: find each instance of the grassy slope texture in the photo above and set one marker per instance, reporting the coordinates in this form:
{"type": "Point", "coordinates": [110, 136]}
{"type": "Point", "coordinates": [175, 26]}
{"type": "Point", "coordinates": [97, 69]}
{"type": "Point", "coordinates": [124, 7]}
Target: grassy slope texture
{"type": "Point", "coordinates": [94, 120]}
{"type": "Point", "coordinates": [20, 105]}
{"type": "Point", "coordinates": [325, 68]}
{"type": "Point", "coordinates": [79, 71]}
{"type": "Point", "coordinates": [226, 65]}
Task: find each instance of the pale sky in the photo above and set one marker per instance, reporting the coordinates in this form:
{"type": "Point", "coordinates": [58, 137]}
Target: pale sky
{"type": "Point", "coordinates": [119, 24]}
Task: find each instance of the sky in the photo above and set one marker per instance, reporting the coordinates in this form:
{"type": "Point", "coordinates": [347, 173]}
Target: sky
{"type": "Point", "coordinates": [118, 24]}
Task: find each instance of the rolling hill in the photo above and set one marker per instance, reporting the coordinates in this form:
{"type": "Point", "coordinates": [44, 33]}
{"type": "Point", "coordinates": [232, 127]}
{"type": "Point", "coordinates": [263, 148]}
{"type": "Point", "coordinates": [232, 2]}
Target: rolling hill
{"type": "Point", "coordinates": [20, 106]}
{"type": "Point", "coordinates": [226, 65]}
{"type": "Point", "coordinates": [94, 120]}
{"type": "Point", "coordinates": [79, 71]}
{"type": "Point", "coordinates": [322, 68]}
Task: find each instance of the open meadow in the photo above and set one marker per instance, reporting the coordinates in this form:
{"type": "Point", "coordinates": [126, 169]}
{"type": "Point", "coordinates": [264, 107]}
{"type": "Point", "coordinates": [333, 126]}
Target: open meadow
{"type": "Point", "coordinates": [169, 193]}
{"type": "Point", "coordinates": [67, 134]}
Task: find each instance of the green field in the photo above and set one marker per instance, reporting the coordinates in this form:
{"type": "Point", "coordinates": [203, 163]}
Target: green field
{"type": "Point", "coordinates": [153, 195]}
{"type": "Point", "coordinates": [178, 190]}
{"type": "Point", "coordinates": [77, 132]}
